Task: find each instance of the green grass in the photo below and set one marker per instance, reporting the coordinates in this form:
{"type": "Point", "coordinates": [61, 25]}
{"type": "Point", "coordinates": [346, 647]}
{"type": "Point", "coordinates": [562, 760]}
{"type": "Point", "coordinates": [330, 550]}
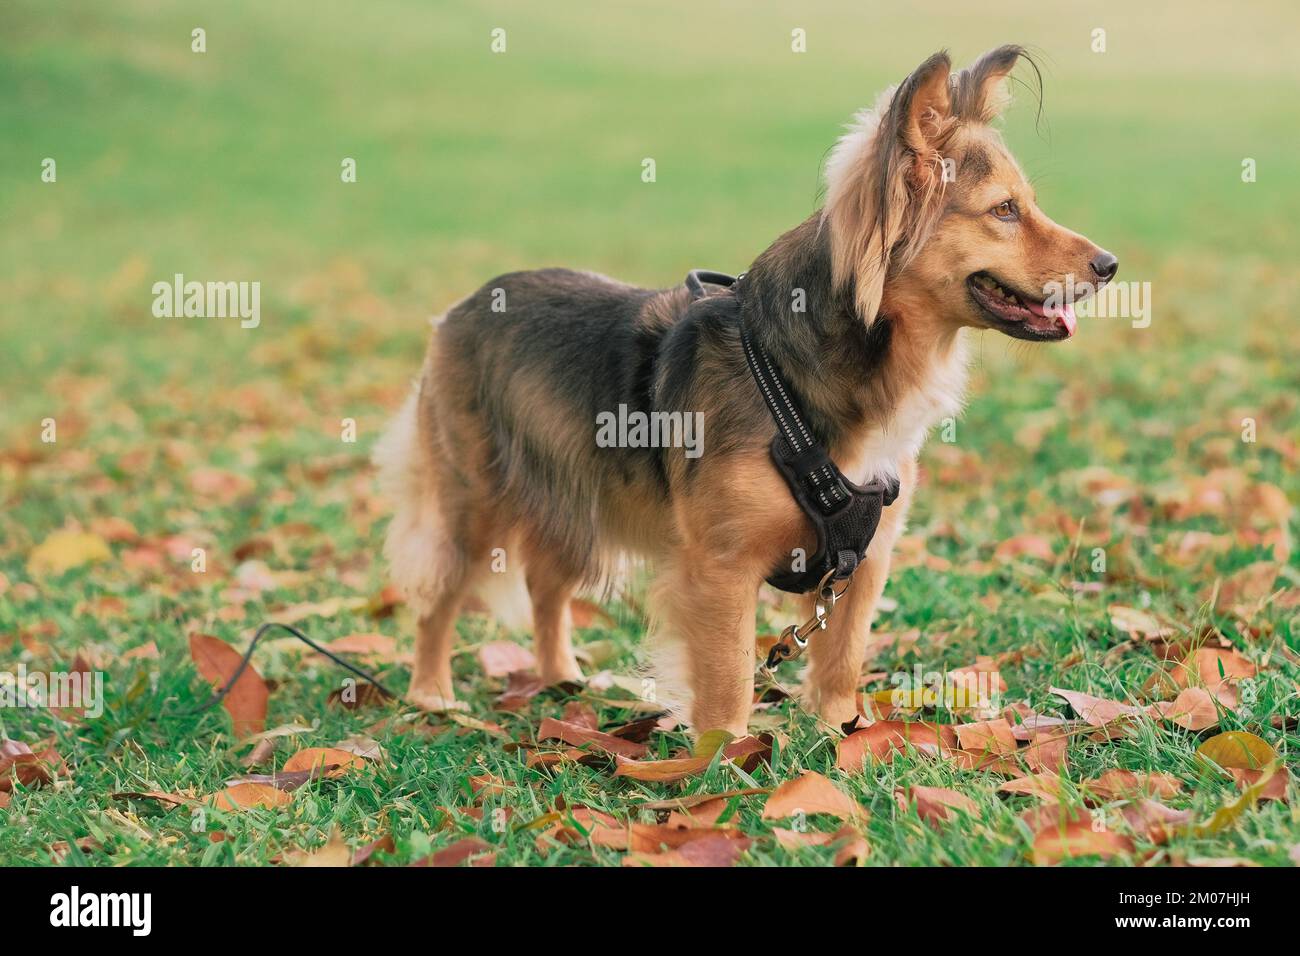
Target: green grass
{"type": "Point", "coordinates": [226, 165]}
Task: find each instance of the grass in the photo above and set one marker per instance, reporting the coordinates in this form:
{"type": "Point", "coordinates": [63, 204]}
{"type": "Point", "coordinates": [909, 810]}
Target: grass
{"type": "Point", "coordinates": [226, 165]}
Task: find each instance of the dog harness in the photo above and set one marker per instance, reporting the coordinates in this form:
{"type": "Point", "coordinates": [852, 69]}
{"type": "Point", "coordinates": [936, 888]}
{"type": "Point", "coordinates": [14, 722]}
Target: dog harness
{"type": "Point", "coordinates": [845, 515]}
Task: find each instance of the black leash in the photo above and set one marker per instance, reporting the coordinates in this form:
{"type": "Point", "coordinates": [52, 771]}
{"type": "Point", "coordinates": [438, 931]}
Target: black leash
{"type": "Point", "coordinates": [845, 515]}
{"type": "Point", "coordinates": [248, 656]}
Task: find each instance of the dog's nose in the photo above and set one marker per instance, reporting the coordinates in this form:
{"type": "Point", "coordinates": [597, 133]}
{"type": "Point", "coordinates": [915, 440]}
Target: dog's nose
{"type": "Point", "coordinates": [1104, 266]}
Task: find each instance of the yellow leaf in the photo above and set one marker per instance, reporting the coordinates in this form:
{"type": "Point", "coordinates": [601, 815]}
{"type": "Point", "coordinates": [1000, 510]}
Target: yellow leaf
{"type": "Point", "coordinates": [711, 741]}
{"type": "Point", "coordinates": [64, 550]}
{"type": "Point", "coordinates": [1236, 748]}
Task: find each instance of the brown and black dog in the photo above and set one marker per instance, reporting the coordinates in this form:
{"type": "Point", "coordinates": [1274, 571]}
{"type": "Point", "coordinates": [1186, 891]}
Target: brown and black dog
{"type": "Point", "coordinates": [929, 229]}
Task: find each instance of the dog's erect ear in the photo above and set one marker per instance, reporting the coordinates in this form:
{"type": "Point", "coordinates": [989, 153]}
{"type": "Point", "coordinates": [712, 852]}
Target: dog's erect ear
{"type": "Point", "coordinates": [924, 101]}
{"type": "Point", "coordinates": [981, 90]}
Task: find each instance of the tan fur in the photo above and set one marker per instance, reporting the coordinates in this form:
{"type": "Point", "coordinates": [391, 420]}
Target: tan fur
{"type": "Point", "coordinates": [906, 241]}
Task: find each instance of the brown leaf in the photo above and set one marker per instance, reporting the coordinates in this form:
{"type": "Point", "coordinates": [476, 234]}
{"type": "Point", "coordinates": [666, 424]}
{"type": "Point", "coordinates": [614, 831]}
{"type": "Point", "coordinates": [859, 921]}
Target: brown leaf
{"type": "Point", "coordinates": [1045, 785]}
{"type": "Point", "coordinates": [810, 793]}
{"type": "Point", "coordinates": [241, 796]}
{"type": "Point", "coordinates": [247, 700]}
{"type": "Point", "coordinates": [935, 805]}
{"type": "Point", "coordinates": [322, 760]}
{"type": "Point", "coordinates": [989, 736]}
{"type": "Point", "coordinates": [679, 768]}
{"type": "Point", "coordinates": [882, 739]}
{"type": "Point", "coordinates": [1097, 711]}
{"type": "Point", "coordinates": [459, 852]}
{"type": "Point", "coordinates": [499, 658]}
{"type": "Point", "coordinates": [19, 763]}
{"type": "Point", "coordinates": [1192, 709]}
{"type": "Point", "coordinates": [1068, 839]}
{"type": "Point", "coordinates": [712, 851]}
{"type": "Point", "coordinates": [1153, 820]}
{"type": "Point", "coordinates": [1275, 788]}
{"type": "Point", "coordinates": [578, 736]}
{"type": "Point", "coordinates": [1122, 784]}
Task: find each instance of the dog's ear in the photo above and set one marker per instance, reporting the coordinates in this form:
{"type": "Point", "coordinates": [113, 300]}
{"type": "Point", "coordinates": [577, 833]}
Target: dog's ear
{"type": "Point", "coordinates": [981, 91]}
{"type": "Point", "coordinates": [922, 116]}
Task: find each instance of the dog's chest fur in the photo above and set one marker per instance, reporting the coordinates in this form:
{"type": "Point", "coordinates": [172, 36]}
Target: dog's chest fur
{"type": "Point", "coordinates": [921, 402]}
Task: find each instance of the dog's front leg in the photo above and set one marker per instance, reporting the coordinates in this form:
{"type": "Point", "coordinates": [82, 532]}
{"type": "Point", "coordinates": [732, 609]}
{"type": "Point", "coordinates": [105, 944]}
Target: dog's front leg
{"type": "Point", "coordinates": [836, 653]}
{"type": "Point", "coordinates": [709, 605]}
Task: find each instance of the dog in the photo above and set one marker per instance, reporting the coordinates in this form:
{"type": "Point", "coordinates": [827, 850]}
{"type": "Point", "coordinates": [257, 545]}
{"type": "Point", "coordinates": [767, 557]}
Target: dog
{"type": "Point", "coordinates": [929, 230]}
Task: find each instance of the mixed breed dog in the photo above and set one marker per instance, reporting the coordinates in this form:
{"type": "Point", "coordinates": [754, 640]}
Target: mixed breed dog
{"type": "Point", "coordinates": [929, 229]}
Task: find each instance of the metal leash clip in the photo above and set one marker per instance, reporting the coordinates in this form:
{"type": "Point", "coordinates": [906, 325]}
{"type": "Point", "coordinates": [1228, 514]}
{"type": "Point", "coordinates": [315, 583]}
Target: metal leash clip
{"type": "Point", "coordinates": [794, 639]}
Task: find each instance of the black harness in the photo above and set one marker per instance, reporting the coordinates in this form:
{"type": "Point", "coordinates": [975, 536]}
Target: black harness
{"type": "Point", "coordinates": [845, 515]}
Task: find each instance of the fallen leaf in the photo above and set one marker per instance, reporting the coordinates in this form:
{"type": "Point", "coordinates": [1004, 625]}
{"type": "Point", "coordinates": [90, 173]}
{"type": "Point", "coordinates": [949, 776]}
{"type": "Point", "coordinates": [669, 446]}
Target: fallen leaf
{"type": "Point", "coordinates": [679, 768]}
{"type": "Point", "coordinates": [323, 760]}
{"type": "Point", "coordinates": [1096, 711]}
{"type": "Point", "coordinates": [1193, 709]}
{"type": "Point", "coordinates": [246, 702]}
{"type": "Point", "coordinates": [241, 796]}
{"type": "Point", "coordinates": [1122, 784]}
{"type": "Point", "coordinates": [1274, 784]}
{"type": "Point", "coordinates": [715, 851]}
{"type": "Point", "coordinates": [499, 658]}
{"type": "Point", "coordinates": [808, 794]}
{"type": "Point", "coordinates": [884, 738]}
{"type": "Point", "coordinates": [64, 550]}
{"type": "Point", "coordinates": [583, 737]}
{"type": "Point", "coordinates": [1237, 748]}
{"type": "Point", "coordinates": [935, 805]}
{"type": "Point", "coordinates": [1070, 839]}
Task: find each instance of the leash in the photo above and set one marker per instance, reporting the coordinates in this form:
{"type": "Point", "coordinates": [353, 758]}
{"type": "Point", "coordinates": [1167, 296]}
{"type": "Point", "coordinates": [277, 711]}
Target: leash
{"type": "Point", "coordinates": [221, 693]}
{"type": "Point", "coordinates": [845, 515]}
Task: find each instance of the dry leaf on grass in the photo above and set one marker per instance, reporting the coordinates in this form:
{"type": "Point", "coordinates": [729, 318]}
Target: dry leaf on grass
{"type": "Point", "coordinates": [884, 738]}
{"type": "Point", "coordinates": [713, 851]}
{"type": "Point", "coordinates": [322, 761]}
{"type": "Point", "coordinates": [247, 699]}
{"type": "Point", "coordinates": [500, 658]}
{"type": "Point", "coordinates": [241, 796]}
{"type": "Point", "coordinates": [1123, 784]}
{"type": "Point", "coordinates": [1096, 711]}
{"type": "Point", "coordinates": [808, 794]}
{"type": "Point", "coordinates": [580, 736]}
{"type": "Point", "coordinates": [746, 750]}
{"type": "Point", "coordinates": [935, 805]}
{"type": "Point", "coordinates": [1068, 839]}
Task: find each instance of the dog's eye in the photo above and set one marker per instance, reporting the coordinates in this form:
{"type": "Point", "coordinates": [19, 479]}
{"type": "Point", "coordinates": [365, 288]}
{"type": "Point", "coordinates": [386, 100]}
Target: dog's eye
{"type": "Point", "coordinates": [1005, 210]}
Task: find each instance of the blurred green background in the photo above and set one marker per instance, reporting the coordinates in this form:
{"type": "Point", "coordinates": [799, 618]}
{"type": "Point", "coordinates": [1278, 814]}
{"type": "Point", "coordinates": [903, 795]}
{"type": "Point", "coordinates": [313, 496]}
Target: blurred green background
{"type": "Point", "coordinates": [225, 165]}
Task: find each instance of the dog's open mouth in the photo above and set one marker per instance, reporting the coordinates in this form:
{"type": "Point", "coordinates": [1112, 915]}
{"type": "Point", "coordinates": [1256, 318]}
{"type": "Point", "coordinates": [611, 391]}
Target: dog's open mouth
{"type": "Point", "coordinates": [1016, 314]}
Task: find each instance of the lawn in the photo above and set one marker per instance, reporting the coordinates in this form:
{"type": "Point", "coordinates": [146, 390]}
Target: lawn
{"type": "Point", "coordinates": [1111, 516]}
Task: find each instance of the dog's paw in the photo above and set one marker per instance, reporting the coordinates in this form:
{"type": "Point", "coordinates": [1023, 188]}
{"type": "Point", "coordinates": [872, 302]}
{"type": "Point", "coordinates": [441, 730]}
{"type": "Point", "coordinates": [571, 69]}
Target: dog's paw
{"type": "Point", "coordinates": [434, 702]}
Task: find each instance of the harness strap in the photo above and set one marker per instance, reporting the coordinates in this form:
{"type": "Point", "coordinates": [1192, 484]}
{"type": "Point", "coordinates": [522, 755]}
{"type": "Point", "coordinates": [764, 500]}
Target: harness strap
{"type": "Point", "coordinates": [844, 515]}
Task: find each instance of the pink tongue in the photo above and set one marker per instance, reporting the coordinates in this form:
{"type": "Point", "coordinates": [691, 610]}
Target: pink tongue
{"type": "Point", "coordinates": [1067, 316]}
{"type": "Point", "coordinates": [1063, 312]}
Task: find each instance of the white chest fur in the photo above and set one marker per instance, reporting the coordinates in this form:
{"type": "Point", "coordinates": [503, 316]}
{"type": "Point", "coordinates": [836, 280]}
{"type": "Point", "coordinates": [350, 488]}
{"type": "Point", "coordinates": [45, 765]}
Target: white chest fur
{"type": "Point", "coordinates": [923, 402]}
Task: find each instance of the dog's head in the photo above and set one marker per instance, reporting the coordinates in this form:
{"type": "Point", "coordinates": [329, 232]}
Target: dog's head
{"type": "Point", "coordinates": [929, 211]}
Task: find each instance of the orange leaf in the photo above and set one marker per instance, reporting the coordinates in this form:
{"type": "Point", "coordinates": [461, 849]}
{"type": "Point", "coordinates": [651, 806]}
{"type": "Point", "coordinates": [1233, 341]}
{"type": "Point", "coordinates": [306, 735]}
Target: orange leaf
{"type": "Point", "coordinates": [247, 700]}
{"type": "Point", "coordinates": [1067, 839]}
{"type": "Point", "coordinates": [935, 804]}
{"type": "Point", "coordinates": [325, 760]}
{"type": "Point", "coordinates": [239, 796]}
{"type": "Point", "coordinates": [810, 793]}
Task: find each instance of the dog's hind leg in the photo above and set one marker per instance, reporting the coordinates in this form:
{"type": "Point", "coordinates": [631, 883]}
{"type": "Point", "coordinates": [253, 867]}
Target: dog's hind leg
{"type": "Point", "coordinates": [836, 653]}
{"type": "Point", "coordinates": [431, 558]}
{"type": "Point", "coordinates": [551, 588]}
